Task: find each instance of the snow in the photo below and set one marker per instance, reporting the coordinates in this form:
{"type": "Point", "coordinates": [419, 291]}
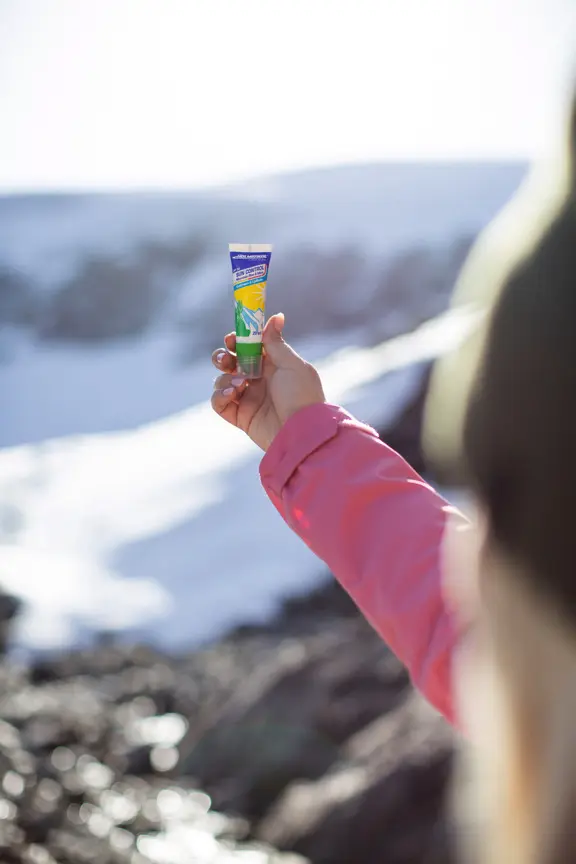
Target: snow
{"type": "Point", "coordinates": [378, 208]}
{"type": "Point", "coordinates": [164, 525]}
{"type": "Point", "coordinates": [63, 391]}
{"type": "Point", "coordinates": [124, 501]}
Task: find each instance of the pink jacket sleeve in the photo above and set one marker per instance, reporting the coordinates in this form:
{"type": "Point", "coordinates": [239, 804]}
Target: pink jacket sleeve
{"type": "Point", "coordinates": [378, 526]}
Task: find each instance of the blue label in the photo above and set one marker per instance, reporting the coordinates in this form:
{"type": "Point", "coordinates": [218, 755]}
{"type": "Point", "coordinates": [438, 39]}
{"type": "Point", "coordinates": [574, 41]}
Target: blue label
{"type": "Point", "coordinates": [248, 260]}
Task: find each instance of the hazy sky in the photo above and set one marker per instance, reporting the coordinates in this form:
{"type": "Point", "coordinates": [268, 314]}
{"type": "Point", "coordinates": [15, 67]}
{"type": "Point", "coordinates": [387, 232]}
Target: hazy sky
{"type": "Point", "coordinates": [117, 93]}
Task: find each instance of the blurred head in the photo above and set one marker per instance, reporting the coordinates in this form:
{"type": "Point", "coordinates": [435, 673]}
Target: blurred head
{"type": "Point", "coordinates": [501, 419]}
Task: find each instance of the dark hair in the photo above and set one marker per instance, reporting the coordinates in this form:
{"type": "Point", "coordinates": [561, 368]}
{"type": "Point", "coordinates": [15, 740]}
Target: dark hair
{"type": "Point", "coordinates": [519, 440]}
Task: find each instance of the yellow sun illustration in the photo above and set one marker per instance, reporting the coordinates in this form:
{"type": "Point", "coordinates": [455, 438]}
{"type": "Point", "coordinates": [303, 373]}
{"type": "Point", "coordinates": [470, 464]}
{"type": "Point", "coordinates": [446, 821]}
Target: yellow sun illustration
{"type": "Point", "coordinates": [252, 296]}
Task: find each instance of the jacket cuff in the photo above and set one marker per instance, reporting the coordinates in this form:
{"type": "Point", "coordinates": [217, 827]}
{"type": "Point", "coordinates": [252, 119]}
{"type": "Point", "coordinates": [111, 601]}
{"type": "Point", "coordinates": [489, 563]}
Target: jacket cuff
{"type": "Point", "coordinates": [304, 432]}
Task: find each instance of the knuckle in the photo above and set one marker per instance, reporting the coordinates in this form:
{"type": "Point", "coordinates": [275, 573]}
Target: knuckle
{"type": "Point", "coordinates": [312, 372]}
{"type": "Point", "coordinates": [221, 381]}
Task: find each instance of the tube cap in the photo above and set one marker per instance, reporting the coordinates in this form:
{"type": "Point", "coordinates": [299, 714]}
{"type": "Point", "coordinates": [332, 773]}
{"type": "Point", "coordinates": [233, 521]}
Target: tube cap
{"type": "Point", "coordinates": [251, 367]}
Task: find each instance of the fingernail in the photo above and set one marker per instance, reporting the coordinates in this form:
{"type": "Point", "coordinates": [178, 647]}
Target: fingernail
{"type": "Point", "coordinates": [237, 381]}
{"type": "Point", "coordinates": [220, 356]}
{"type": "Point", "coordinates": [228, 391]}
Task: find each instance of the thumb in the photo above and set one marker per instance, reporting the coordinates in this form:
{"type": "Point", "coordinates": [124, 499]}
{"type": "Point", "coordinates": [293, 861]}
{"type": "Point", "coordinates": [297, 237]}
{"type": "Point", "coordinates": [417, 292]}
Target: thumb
{"type": "Point", "coordinates": [276, 348]}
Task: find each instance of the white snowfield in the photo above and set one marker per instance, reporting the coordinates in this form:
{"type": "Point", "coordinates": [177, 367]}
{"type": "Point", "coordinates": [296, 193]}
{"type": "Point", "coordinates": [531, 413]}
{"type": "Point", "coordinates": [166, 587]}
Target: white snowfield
{"type": "Point", "coordinates": [123, 501]}
{"type": "Point", "coordinates": [164, 527]}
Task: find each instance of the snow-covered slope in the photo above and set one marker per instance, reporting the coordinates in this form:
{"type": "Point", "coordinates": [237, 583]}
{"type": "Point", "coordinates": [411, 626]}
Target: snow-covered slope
{"type": "Point", "coordinates": [123, 500]}
{"type": "Point", "coordinates": [166, 525]}
{"type": "Point", "coordinates": [380, 207]}
{"type": "Point", "coordinates": [364, 215]}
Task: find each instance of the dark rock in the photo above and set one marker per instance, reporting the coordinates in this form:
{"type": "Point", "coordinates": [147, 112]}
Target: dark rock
{"type": "Point", "coordinates": [12, 843]}
{"type": "Point", "coordinates": [41, 810]}
{"type": "Point", "coordinates": [105, 657]}
{"type": "Point", "coordinates": [35, 854]}
{"type": "Point", "coordinates": [65, 713]}
{"type": "Point", "coordinates": [289, 718]}
{"type": "Point", "coordinates": [382, 802]}
{"type": "Point", "coordinates": [405, 434]}
{"type": "Point", "coordinates": [79, 731]}
{"type": "Point", "coordinates": [137, 761]}
{"type": "Point", "coordinates": [311, 609]}
{"type": "Point", "coordinates": [9, 608]}
{"type": "Point", "coordinates": [305, 729]}
{"type": "Point", "coordinates": [77, 847]}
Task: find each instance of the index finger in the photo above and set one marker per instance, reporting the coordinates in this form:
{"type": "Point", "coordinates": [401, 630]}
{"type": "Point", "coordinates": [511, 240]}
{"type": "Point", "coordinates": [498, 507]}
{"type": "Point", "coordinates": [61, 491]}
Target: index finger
{"type": "Point", "coordinates": [230, 342]}
{"type": "Point", "coordinates": [224, 360]}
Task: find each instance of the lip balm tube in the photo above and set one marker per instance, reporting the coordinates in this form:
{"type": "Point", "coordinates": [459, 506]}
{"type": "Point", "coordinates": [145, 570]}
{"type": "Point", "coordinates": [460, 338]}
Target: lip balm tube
{"type": "Point", "coordinates": [250, 263]}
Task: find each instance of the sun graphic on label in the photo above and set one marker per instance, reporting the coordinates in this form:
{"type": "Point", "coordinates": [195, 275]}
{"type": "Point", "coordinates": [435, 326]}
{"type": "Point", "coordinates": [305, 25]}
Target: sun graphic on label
{"type": "Point", "coordinates": [252, 296]}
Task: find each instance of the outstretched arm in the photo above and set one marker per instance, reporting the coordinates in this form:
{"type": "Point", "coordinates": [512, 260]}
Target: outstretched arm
{"type": "Point", "coordinates": [378, 526]}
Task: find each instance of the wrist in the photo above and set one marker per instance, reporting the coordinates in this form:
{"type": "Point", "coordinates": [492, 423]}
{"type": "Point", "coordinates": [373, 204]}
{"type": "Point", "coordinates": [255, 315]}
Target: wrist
{"type": "Point", "coordinates": [266, 440]}
{"type": "Point", "coordinates": [301, 407]}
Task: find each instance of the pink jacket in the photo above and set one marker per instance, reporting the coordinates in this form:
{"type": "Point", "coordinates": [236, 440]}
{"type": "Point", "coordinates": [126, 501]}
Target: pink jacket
{"type": "Point", "coordinates": [378, 526]}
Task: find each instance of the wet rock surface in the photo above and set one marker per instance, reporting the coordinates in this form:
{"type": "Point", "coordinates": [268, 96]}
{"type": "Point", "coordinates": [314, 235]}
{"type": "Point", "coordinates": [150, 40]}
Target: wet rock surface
{"type": "Point", "coordinates": [383, 801]}
{"type": "Point", "coordinates": [292, 712]}
{"type": "Point", "coordinates": [305, 732]}
{"type": "Point", "coordinates": [88, 758]}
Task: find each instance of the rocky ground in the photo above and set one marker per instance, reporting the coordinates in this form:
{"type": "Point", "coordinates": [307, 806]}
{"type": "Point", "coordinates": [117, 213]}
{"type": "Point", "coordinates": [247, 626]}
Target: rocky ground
{"type": "Point", "coordinates": [306, 733]}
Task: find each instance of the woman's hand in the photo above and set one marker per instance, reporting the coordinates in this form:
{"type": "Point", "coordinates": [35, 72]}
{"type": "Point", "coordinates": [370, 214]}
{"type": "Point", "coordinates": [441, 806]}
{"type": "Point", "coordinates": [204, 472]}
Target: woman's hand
{"type": "Point", "coordinates": [261, 407]}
